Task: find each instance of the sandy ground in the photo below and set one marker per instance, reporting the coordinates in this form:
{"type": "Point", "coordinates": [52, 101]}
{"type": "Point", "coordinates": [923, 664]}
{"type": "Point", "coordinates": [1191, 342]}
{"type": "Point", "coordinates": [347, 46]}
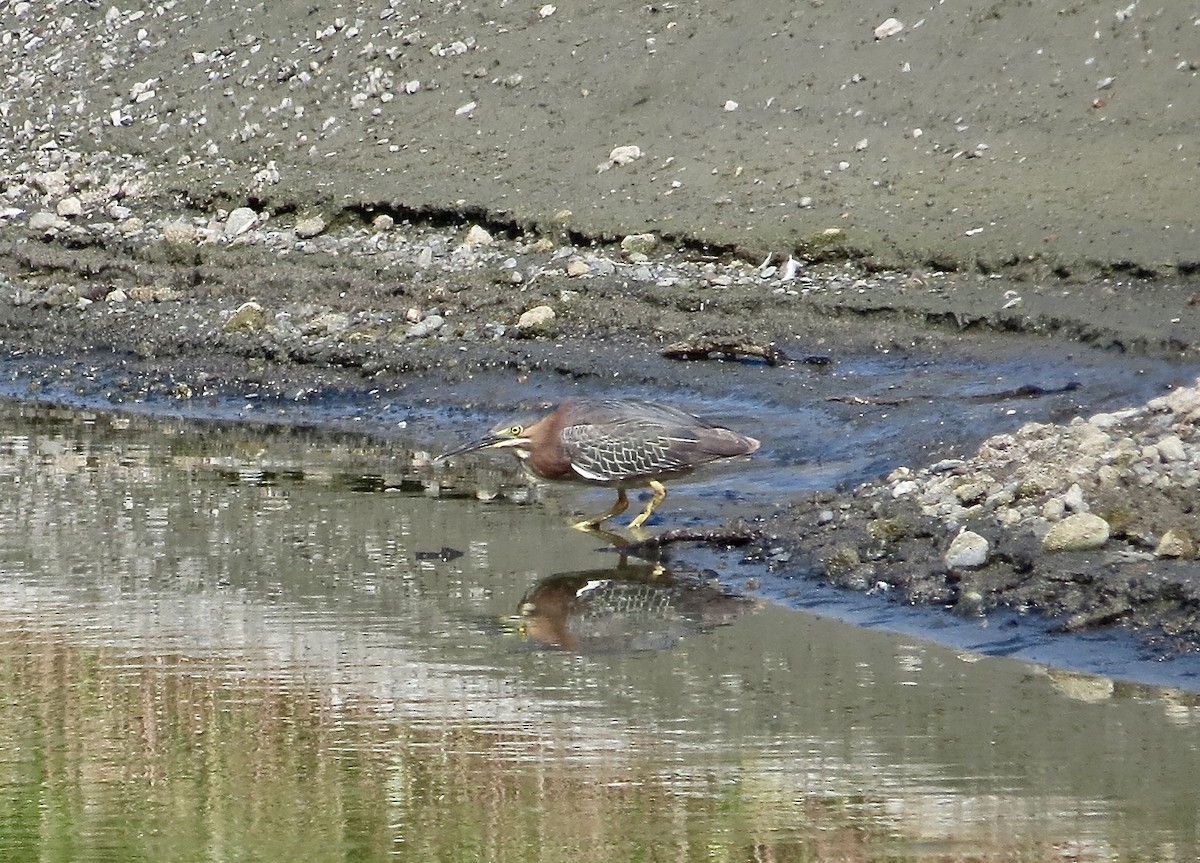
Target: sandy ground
{"type": "Point", "coordinates": [991, 173]}
{"type": "Point", "coordinates": [999, 135]}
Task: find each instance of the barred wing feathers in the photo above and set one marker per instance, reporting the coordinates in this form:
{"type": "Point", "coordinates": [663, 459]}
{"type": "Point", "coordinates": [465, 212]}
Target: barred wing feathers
{"type": "Point", "coordinates": [659, 441]}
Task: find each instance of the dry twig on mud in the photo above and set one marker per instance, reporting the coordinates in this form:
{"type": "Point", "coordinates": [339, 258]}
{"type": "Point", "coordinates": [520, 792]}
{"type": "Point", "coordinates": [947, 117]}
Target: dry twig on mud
{"type": "Point", "coordinates": [720, 537]}
{"type": "Point", "coordinates": [706, 349]}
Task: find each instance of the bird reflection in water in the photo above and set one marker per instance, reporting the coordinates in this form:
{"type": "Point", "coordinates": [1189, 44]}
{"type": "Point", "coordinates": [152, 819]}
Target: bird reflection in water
{"type": "Point", "coordinates": [628, 608]}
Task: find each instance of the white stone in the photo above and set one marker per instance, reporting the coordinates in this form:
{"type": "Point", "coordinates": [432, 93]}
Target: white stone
{"type": "Point", "coordinates": [477, 236]}
{"type": "Point", "coordinates": [966, 550]}
{"type": "Point", "coordinates": [425, 327]}
{"type": "Point", "coordinates": [1073, 499]}
{"type": "Point", "coordinates": [642, 244]}
{"type": "Point", "coordinates": [180, 233]}
{"type": "Point", "coordinates": [536, 318]}
{"type": "Point", "coordinates": [1169, 448]}
{"type": "Point", "coordinates": [45, 221]}
{"type": "Point", "coordinates": [1009, 517]}
{"type": "Point", "coordinates": [52, 183]}
{"type": "Point", "coordinates": [240, 221]}
{"type": "Point", "coordinates": [310, 227]}
{"type": "Point", "coordinates": [1054, 509]}
{"type": "Point", "coordinates": [621, 156]}
{"type": "Point", "coordinates": [1176, 542]}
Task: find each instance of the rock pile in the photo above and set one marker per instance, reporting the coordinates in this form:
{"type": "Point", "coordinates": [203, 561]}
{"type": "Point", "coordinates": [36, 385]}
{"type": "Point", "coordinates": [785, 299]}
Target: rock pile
{"type": "Point", "coordinates": [1130, 475]}
{"type": "Point", "coordinates": [1093, 523]}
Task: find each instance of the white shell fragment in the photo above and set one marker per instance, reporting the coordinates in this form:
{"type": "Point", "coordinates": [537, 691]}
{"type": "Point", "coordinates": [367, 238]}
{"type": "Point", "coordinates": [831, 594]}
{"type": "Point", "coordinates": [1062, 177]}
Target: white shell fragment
{"type": "Point", "coordinates": [621, 156]}
{"type": "Point", "coordinates": [240, 221]}
{"type": "Point", "coordinates": [730, 105]}
{"type": "Point", "coordinates": [465, 109]}
{"type": "Point", "coordinates": [547, 10]}
{"type": "Point", "coordinates": [890, 27]}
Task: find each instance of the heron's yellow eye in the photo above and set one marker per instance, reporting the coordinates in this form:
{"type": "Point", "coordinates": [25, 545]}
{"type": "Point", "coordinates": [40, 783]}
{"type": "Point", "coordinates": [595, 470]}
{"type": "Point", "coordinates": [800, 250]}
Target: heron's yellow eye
{"type": "Point", "coordinates": [515, 431]}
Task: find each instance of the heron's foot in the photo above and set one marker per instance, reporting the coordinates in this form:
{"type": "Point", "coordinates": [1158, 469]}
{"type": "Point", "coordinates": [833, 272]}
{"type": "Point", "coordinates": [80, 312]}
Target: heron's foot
{"type": "Point", "coordinates": [660, 494]}
{"type": "Point", "coordinates": [619, 506]}
{"type": "Point", "coordinates": [639, 533]}
{"type": "Point", "coordinates": [591, 524]}
{"type": "Point", "coordinates": [611, 537]}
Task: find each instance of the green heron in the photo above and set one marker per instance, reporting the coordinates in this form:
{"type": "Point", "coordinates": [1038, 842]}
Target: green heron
{"type": "Point", "coordinates": [615, 442]}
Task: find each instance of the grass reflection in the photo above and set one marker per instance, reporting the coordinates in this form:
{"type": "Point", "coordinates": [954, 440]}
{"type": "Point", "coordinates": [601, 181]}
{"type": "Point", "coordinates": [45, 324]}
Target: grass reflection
{"type": "Point", "coordinates": [116, 757]}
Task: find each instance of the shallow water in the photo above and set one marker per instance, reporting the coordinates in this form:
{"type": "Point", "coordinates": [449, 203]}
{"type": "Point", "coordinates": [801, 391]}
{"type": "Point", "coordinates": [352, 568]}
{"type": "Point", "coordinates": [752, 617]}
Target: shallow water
{"type": "Point", "coordinates": [229, 643]}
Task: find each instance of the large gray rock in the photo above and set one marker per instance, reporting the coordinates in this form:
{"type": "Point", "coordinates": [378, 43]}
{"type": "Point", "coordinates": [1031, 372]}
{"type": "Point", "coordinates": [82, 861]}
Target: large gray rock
{"type": "Point", "coordinates": [1079, 532]}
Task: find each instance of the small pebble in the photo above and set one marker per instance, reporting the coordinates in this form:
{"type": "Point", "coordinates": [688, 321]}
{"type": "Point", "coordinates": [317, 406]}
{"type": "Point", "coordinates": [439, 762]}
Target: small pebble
{"type": "Point", "coordinates": [640, 244]}
{"type": "Point", "coordinates": [248, 318]}
{"type": "Point", "coordinates": [536, 321]}
{"type": "Point", "coordinates": [69, 207]}
{"type": "Point", "coordinates": [311, 227]}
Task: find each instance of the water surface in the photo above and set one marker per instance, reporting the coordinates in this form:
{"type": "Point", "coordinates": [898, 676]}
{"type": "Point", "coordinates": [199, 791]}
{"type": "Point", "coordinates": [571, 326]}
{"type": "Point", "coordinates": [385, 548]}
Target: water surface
{"type": "Point", "coordinates": [229, 643]}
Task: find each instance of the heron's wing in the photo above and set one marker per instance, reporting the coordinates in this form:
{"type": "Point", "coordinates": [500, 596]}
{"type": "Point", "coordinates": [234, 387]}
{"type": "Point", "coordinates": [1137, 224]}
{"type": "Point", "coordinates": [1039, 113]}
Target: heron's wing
{"type": "Point", "coordinates": [632, 448]}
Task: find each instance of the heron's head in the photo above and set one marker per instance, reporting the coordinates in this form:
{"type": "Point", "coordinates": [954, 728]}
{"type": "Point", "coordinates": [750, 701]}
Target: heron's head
{"type": "Point", "coordinates": [513, 436]}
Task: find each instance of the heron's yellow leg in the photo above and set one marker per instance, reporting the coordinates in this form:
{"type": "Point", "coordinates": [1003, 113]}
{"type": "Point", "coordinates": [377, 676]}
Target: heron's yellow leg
{"type": "Point", "coordinates": [660, 494]}
{"type": "Point", "coordinates": [617, 508]}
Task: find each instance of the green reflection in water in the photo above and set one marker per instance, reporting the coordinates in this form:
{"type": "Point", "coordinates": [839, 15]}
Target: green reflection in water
{"type": "Point", "coordinates": [220, 644]}
{"type": "Point", "coordinates": [111, 757]}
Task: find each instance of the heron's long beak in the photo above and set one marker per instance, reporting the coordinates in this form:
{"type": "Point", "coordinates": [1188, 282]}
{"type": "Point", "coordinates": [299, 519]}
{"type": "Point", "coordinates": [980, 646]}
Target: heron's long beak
{"type": "Point", "coordinates": [492, 441]}
{"type": "Point", "coordinates": [483, 443]}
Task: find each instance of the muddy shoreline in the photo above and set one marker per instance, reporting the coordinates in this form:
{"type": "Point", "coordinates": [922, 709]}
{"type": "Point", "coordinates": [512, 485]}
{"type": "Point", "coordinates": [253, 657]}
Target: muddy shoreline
{"type": "Point", "coordinates": [131, 326]}
{"type": "Point", "coordinates": [309, 206]}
